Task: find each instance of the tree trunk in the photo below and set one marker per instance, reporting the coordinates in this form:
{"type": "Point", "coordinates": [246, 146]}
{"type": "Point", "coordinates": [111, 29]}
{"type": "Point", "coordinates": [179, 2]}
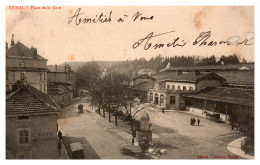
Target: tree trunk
{"type": "Point", "coordinates": [109, 114]}
{"type": "Point", "coordinates": [116, 117]}
{"type": "Point", "coordinates": [104, 115]}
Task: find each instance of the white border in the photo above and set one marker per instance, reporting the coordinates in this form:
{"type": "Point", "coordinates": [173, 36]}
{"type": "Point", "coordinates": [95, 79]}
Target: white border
{"type": "Point", "coordinates": [129, 3]}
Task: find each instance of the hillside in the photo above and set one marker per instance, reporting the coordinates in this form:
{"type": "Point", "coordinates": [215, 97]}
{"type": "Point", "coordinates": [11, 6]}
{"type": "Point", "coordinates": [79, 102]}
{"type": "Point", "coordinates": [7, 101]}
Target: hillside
{"type": "Point", "coordinates": [103, 64]}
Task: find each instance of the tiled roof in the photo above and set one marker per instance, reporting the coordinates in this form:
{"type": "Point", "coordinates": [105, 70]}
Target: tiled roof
{"type": "Point", "coordinates": [229, 95]}
{"type": "Point", "coordinates": [238, 77]}
{"type": "Point", "coordinates": [29, 100]}
{"type": "Point", "coordinates": [185, 76]}
{"type": "Point", "coordinates": [58, 89]}
{"type": "Point", "coordinates": [21, 51]}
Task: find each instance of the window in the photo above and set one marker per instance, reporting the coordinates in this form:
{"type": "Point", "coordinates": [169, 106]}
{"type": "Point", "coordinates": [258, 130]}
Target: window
{"type": "Point", "coordinates": [184, 88]}
{"type": "Point", "coordinates": [40, 76]}
{"type": "Point", "coordinates": [40, 87]}
{"type": "Point", "coordinates": [44, 87]}
{"type": "Point", "coordinates": [151, 97]}
{"type": "Point", "coordinates": [168, 86]}
{"type": "Point", "coordinates": [24, 136]}
{"type": "Point", "coordinates": [190, 88]}
{"type": "Point", "coordinates": [22, 64]}
{"type": "Point", "coordinates": [44, 77]}
{"type": "Point", "coordinates": [13, 76]}
{"type": "Point", "coordinates": [179, 87]}
{"type": "Point", "coordinates": [172, 99]}
{"type": "Point", "coordinates": [22, 76]}
{"type": "Point", "coordinates": [161, 99]}
{"type": "Point", "coordinates": [7, 75]}
{"type": "Point", "coordinates": [173, 87]}
{"type": "Point", "coordinates": [23, 117]}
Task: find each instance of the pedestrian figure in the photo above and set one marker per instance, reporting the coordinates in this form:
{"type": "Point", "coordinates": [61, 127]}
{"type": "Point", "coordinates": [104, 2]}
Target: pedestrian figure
{"type": "Point", "coordinates": [59, 135]}
{"type": "Point", "coordinates": [191, 120]}
{"type": "Point", "coordinates": [59, 147]}
{"type": "Point", "coordinates": [163, 110]}
{"type": "Point", "coordinates": [198, 121]}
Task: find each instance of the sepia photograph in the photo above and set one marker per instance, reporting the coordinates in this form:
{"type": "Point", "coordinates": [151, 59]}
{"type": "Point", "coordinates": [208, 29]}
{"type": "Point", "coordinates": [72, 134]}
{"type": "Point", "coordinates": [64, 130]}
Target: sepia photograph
{"type": "Point", "coordinates": [129, 82]}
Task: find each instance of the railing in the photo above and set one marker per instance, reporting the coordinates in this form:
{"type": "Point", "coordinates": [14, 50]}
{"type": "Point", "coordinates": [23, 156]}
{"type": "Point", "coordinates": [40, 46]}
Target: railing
{"type": "Point", "coordinates": [25, 69]}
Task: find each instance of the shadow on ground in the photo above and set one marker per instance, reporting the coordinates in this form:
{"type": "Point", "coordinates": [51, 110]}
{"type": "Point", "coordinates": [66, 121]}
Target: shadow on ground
{"type": "Point", "coordinates": [89, 152]}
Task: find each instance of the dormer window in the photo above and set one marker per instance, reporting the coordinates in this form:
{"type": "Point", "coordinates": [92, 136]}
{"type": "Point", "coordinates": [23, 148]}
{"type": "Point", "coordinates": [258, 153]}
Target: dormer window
{"type": "Point", "coordinates": [179, 87]}
{"type": "Point", "coordinates": [184, 88]}
{"type": "Point", "coordinates": [173, 87]}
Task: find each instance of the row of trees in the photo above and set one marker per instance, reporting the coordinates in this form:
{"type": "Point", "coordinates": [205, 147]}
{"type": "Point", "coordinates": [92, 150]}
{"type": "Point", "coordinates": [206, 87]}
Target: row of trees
{"type": "Point", "coordinates": [109, 92]}
{"type": "Point", "coordinates": [112, 92]}
{"type": "Point", "coordinates": [157, 63]}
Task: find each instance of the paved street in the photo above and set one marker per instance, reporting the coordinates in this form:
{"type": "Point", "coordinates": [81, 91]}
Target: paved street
{"type": "Point", "coordinates": [98, 141]}
{"type": "Point", "coordinates": [171, 131]}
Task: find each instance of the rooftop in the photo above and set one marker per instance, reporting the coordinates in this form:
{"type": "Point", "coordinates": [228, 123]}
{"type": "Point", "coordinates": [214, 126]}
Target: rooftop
{"type": "Point", "coordinates": [29, 100]}
{"type": "Point", "coordinates": [185, 76]}
{"type": "Point", "coordinates": [229, 95]}
{"type": "Point", "coordinates": [19, 50]}
{"type": "Point", "coordinates": [241, 66]}
{"type": "Point", "coordinates": [57, 89]}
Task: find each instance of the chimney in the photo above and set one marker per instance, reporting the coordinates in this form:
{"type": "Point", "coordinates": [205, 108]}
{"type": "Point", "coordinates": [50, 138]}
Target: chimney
{"type": "Point", "coordinates": [19, 84]}
{"type": "Point", "coordinates": [12, 40]}
{"type": "Point", "coordinates": [6, 45]}
{"type": "Point", "coordinates": [196, 72]}
{"type": "Point", "coordinates": [178, 72]}
{"type": "Point", "coordinates": [56, 69]}
{"type": "Point", "coordinates": [34, 51]}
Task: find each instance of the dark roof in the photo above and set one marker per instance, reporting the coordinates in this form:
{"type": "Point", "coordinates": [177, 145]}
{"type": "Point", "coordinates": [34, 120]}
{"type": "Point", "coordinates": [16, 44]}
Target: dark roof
{"type": "Point", "coordinates": [29, 100]}
{"type": "Point", "coordinates": [52, 68]}
{"type": "Point", "coordinates": [58, 89]}
{"type": "Point", "coordinates": [212, 67]}
{"type": "Point", "coordinates": [238, 77]}
{"type": "Point", "coordinates": [21, 51]}
{"type": "Point", "coordinates": [185, 76]}
{"type": "Point", "coordinates": [228, 95]}
{"type": "Point", "coordinates": [144, 76]}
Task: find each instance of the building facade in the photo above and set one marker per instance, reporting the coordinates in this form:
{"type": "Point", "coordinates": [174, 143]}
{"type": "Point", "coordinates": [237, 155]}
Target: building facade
{"type": "Point", "coordinates": [169, 90]}
{"type": "Point", "coordinates": [31, 124]}
{"type": "Point", "coordinates": [23, 63]}
{"type": "Point", "coordinates": [61, 83]}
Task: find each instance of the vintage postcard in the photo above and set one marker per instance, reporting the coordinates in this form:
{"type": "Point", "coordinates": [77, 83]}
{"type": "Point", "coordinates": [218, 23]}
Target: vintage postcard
{"type": "Point", "coordinates": [129, 82]}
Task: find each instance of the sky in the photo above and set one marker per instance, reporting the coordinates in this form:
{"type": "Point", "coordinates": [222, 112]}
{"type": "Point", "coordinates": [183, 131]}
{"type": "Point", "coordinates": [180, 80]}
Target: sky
{"type": "Point", "coordinates": [59, 41]}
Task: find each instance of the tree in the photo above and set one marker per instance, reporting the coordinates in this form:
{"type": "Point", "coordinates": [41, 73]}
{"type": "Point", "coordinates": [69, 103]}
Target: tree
{"type": "Point", "coordinates": [87, 75]}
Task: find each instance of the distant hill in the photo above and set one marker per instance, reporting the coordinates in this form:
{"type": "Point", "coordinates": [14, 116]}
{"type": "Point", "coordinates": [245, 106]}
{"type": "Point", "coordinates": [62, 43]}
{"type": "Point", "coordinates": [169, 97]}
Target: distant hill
{"type": "Point", "coordinates": [103, 64]}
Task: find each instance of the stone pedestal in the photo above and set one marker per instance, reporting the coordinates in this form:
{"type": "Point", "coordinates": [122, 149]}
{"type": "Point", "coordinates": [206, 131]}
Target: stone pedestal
{"type": "Point", "coordinates": [143, 136]}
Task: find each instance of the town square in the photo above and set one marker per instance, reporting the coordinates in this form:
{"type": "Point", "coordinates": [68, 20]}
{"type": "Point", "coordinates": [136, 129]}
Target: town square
{"type": "Point", "coordinates": [130, 82]}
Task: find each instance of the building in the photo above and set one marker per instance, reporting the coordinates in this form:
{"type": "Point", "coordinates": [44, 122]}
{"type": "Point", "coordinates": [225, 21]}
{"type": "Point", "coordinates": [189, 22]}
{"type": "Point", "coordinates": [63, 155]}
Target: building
{"type": "Point", "coordinates": [61, 83]}
{"type": "Point", "coordinates": [236, 75]}
{"type": "Point", "coordinates": [170, 89]}
{"type": "Point", "coordinates": [31, 123]}
{"type": "Point", "coordinates": [222, 100]}
{"type": "Point", "coordinates": [198, 89]}
{"type": "Point", "coordinates": [23, 63]}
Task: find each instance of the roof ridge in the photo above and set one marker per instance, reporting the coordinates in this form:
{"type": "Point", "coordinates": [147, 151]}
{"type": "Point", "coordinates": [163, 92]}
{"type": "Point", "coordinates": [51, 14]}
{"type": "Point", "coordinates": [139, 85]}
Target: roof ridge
{"type": "Point", "coordinates": [49, 105]}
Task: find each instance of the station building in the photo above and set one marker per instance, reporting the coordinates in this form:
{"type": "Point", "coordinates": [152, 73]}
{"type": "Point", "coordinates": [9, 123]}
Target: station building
{"type": "Point", "coordinates": [201, 88]}
{"type": "Point", "coordinates": [31, 123]}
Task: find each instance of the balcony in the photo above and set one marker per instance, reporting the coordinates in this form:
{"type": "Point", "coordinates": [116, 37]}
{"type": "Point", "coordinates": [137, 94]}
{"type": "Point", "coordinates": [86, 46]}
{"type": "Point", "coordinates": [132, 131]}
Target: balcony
{"type": "Point", "coordinates": [11, 68]}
